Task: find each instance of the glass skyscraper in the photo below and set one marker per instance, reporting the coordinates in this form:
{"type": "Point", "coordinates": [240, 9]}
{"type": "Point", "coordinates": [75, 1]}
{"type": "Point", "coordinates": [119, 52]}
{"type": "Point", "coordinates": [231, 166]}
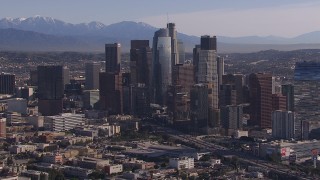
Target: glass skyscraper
{"type": "Point", "coordinates": [306, 93]}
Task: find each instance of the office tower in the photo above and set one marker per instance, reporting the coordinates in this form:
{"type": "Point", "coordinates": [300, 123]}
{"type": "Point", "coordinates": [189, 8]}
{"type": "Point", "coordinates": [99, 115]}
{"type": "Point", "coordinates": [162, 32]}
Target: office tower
{"type": "Point", "coordinates": [288, 91]}
{"type": "Point", "coordinates": [279, 102]}
{"type": "Point", "coordinates": [306, 93]}
{"type": "Point", "coordinates": [7, 83]}
{"type": "Point", "coordinates": [66, 75]}
{"type": "Point", "coordinates": [174, 43]}
{"type": "Point", "coordinates": [310, 129]}
{"type": "Point", "coordinates": [110, 92]}
{"type": "Point", "coordinates": [50, 89]}
{"type": "Point", "coordinates": [141, 100]}
{"type": "Point", "coordinates": [283, 124]}
{"type": "Point", "coordinates": [195, 61]}
{"type": "Point", "coordinates": [90, 99]}
{"type": "Point", "coordinates": [92, 70]}
{"type": "Point", "coordinates": [140, 62]}
{"type": "Point", "coordinates": [231, 117]}
{"type": "Point", "coordinates": [227, 95]}
{"type": "Point", "coordinates": [161, 65]}
{"type": "Point", "coordinates": [238, 81]}
{"type": "Point", "coordinates": [184, 76]}
{"type": "Point", "coordinates": [208, 43]}
{"type": "Point", "coordinates": [3, 127]}
{"type": "Point", "coordinates": [260, 85]}
{"type": "Point", "coordinates": [208, 74]}
{"type": "Point", "coordinates": [113, 57]}
{"type": "Point", "coordinates": [178, 102]}
{"type": "Point", "coordinates": [33, 81]}
{"type": "Point", "coordinates": [220, 69]}
{"type": "Point", "coordinates": [182, 54]}
{"type": "Point", "coordinates": [199, 107]}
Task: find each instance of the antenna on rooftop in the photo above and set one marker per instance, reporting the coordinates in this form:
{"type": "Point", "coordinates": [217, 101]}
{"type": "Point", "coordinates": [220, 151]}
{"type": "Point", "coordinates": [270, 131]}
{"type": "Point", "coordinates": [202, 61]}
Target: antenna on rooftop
{"type": "Point", "coordinates": [167, 18]}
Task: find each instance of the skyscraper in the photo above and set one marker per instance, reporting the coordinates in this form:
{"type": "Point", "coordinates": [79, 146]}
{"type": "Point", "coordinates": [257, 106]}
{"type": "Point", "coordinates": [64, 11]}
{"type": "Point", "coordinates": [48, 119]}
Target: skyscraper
{"type": "Point", "coordinates": [161, 65]}
{"type": "Point", "coordinates": [113, 57]}
{"type": "Point", "coordinates": [92, 70]}
{"type": "Point", "coordinates": [50, 89]}
{"type": "Point", "coordinates": [260, 85]}
{"type": "Point", "coordinates": [208, 74]}
{"type": "Point", "coordinates": [66, 75]}
{"type": "Point", "coordinates": [182, 54]}
{"type": "Point", "coordinates": [220, 69]}
{"type": "Point", "coordinates": [231, 117]}
{"type": "Point", "coordinates": [283, 124]}
{"type": "Point", "coordinates": [174, 43]}
{"type": "Point", "coordinates": [199, 107]}
{"type": "Point", "coordinates": [279, 102]}
{"type": "Point", "coordinates": [288, 91]}
{"type": "Point", "coordinates": [140, 62]}
{"type": "Point", "coordinates": [238, 81]}
{"type": "Point", "coordinates": [306, 93]}
{"type": "Point", "coordinates": [7, 83]}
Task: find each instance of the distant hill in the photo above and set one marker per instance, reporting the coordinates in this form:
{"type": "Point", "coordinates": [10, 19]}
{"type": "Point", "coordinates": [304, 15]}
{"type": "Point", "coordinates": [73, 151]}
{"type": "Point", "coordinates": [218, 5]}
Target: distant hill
{"type": "Point", "coordinates": [48, 34]}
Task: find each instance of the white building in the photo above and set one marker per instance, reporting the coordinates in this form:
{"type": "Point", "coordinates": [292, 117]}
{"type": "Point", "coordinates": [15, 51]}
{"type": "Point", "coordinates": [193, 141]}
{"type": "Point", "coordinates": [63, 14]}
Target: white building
{"type": "Point", "coordinates": [283, 124]}
{"type": "Point", "coordinates": [114, 169]}
{"type": "Point", "coordinates": [64, 121]}
{"type": "Point", "coordinates": [16, 149]}
{"type": "Point", "coordinates": [18, 105]}
{"type": "Point", "coordinates": [181, 163]}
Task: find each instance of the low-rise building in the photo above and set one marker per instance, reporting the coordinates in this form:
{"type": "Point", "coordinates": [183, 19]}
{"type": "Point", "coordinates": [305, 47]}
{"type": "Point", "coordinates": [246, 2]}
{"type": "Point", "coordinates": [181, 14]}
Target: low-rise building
{"type": "Point", "coordinates": [53, 158]}
{"type": "Point", "coordinates": [282, 150]}
{"type": "Point", "coordinates": [181, 163]}
{"type": "Point", "coordinates": [76, 172]}
{"type": "Point", "coordinates": [35, 175]}
{"type": "Point", "coordinates": [114, 169]}
{"type": "Point", "coordinates": [93, 163]}
{"type": "Point", "coordinates": [16, 149]}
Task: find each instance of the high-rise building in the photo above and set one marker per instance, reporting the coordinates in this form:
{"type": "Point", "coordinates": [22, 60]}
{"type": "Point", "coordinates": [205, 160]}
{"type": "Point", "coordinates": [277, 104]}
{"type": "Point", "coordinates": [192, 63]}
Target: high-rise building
{"type": "Point", "coordinates": [306, 93]}
{"type": "Point", "coordinates": [279, 102]}
{"type": "Point", "coordinates": [195, 61]}
{"type": "Point", "coordinates": [288, 91]}
{"type": "Point", "coordinates": [113, 57]}
{"type": "Point", "coordinates": [90, 99]}
{"type": "Point", "coordinates": [50, 89]}
{"type": "Point", "coordinates": [199, 107]}
{"type": "Point", "coordinates": [260, 85]}
{"type": "Point", "coordinates": [174, 44]}
{"type": "Point", "coordinates": [231, 117]}
{"type": "Point", "coordinates": [110, 92]}
{"type": "Point", "coordinates": [184, 76]}
{"type": "Point", "coordinates": [209, 43]}
{"type": "Point", "coordinates": [7, 83]}
{"type": "Point", "coordinates": [220, 69]}
{"type": "Point", "coordinates": [161, 65]}
{"type": "Point", "coordinates": [66, 75]}
{"type": "Point", "coordinates": [140, 62]}
{"type": "Point", "coordinates": [238, 81]}
{"type": "Point", "coordinates": [283, 124]}
{"type": "Point", "coordinates": [182, 54]}
{"type": "Point", "coordinates": [208, 74]}
{"type": "Point", "coordinates": [3, 127]}
{"type": "Point", "coordinates": [227, 95]}
{"type": "Point", "coordinates": [92, 70]}
{"type": "Point", "coordinates": [178, 103]}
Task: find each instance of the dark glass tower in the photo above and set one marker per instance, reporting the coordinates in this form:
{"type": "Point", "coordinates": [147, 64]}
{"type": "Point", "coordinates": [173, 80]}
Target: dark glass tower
{"type": "Point", "coordinates": [113, 57]}
{"type": "Point", "coordinates": [7, 83]}
{"type": "Point", "coordinates": [50, 89]}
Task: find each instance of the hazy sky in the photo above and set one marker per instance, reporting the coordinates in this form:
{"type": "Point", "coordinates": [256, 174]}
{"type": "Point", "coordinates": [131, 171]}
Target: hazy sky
{"type": "Point", "coordinates": [285, 18]}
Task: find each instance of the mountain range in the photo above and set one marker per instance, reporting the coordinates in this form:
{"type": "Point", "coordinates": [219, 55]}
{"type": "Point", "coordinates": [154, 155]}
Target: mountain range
{"type": "Point", "coordinates": [48, 34]}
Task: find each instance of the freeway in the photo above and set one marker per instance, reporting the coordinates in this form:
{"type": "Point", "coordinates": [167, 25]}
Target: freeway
{"type": "Point", "coordinates": [220, 150]}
